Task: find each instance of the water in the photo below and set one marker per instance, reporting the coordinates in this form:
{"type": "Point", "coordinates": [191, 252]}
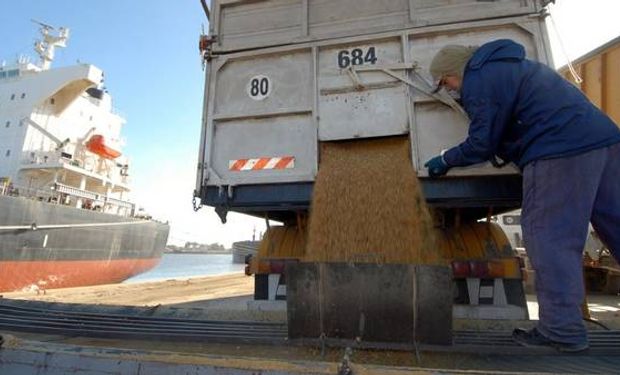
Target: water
{"type": "Point", "coordinates": [184, 266]}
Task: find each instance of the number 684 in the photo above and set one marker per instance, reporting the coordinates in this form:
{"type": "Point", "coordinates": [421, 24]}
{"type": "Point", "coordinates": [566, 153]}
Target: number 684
{"type": "Point", "coordinates": [356, 56]}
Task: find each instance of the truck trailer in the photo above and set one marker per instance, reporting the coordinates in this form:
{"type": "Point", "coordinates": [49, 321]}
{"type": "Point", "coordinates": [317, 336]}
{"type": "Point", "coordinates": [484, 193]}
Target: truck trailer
{"type": "Point", "coordinates": [288, 79]}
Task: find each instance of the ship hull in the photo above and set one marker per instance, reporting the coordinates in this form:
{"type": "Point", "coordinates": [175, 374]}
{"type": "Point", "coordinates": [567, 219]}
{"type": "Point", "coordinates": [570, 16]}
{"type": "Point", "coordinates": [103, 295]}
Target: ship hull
{"type": "Point", "coordinates": [80, 248]}
{"type": "Point", "coordinates": [63, 274]}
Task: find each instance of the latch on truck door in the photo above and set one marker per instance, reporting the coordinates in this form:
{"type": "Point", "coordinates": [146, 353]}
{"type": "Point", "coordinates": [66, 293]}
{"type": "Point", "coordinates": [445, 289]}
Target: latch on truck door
{"type": "Point", "coordinates": [391, 70]}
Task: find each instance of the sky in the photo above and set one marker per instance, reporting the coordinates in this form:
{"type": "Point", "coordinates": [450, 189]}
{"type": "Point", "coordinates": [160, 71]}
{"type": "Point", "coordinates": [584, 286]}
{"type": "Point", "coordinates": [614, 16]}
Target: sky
{"type": "Point", "coordinates": [148, 50]}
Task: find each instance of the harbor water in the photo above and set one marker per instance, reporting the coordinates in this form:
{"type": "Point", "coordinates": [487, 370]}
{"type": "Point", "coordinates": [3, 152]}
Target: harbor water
{"type": "Point", "coordinates": [184, 266]}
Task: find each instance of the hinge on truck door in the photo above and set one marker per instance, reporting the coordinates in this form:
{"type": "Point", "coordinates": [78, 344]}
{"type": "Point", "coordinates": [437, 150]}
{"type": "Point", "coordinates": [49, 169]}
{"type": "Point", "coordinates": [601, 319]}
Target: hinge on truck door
{"type": "Point", "coordinates": [205, 44]}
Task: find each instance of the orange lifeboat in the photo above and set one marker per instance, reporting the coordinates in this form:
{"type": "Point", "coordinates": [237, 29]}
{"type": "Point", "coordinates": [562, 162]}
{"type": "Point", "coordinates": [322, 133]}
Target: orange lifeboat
{"type": "Point", "coordinates": [96, 144]}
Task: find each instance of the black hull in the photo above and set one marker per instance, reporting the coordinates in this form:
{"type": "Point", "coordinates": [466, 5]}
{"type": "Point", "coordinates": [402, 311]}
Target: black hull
{"type": "Point", "coordinates": [83, 237]}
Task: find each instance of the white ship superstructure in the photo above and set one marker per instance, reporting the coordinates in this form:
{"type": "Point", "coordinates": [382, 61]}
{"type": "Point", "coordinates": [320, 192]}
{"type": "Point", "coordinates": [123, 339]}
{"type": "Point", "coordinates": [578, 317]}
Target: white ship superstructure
{"type": "Point", "coordinates": [60, 138]}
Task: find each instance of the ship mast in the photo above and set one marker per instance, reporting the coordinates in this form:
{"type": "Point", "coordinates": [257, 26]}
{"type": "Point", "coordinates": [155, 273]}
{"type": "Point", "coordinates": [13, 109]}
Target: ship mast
{"type": "Point", "coordinates": [46, 47]}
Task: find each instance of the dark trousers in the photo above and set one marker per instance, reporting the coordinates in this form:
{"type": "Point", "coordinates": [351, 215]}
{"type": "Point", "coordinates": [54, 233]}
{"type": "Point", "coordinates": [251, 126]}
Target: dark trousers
{"type": "Point", "coordinates": [560, 197]}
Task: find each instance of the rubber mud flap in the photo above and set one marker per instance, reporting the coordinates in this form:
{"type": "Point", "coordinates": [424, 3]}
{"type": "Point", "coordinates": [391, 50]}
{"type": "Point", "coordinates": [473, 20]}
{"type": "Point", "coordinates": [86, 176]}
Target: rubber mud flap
{"type": "Point", "coordinates": [389, 303]}
{"type": "Point", "coordinates": [433, 304]}
{"type": "Point", "coordinates": [302, 300]}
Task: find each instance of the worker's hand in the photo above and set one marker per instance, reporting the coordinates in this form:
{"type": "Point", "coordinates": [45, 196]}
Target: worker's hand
{"type": "Point", "coordinates": [437, 166]}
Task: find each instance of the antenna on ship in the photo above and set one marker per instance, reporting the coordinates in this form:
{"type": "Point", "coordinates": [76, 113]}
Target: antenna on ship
{"type": "Point", "coordinates": [45, 48]}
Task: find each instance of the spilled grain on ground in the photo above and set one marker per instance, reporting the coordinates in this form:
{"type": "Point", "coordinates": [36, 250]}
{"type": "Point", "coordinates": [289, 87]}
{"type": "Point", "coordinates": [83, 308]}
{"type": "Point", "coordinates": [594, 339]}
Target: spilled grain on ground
{"type": "Point", "coordinates": [368, 207]}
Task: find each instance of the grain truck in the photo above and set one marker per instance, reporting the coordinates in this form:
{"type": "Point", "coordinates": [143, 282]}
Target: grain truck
{"type": "Point", "coordinates": [286, 79]}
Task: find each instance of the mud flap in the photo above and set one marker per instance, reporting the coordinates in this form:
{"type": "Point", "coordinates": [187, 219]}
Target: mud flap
{"type": "Point", "coordinates": [389, 303]}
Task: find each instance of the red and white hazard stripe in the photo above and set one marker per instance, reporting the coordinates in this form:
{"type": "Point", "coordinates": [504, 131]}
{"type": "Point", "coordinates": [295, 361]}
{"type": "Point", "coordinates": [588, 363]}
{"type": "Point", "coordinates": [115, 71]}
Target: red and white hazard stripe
{"type": "Point", "coordinates": [261, 164]}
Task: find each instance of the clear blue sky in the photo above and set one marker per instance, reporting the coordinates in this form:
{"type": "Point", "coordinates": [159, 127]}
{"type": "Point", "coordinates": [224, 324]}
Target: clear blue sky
{"type": "Point", "coordinates": [148, 50]}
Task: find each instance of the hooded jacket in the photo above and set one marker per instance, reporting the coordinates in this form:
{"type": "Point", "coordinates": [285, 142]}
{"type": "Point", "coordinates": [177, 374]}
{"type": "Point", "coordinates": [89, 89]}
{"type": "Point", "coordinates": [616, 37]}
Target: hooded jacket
{"type": "Point", "coordinates": [522, 111]}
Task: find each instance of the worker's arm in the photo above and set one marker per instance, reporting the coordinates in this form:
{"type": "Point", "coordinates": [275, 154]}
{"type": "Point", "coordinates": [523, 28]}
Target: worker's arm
{"type": "Point", "coordinates": [489, 118]}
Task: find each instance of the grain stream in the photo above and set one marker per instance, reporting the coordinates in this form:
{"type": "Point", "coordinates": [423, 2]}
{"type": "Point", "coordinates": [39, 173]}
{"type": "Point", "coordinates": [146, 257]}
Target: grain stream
{"type": "Point", "coordinates": [368, 207]}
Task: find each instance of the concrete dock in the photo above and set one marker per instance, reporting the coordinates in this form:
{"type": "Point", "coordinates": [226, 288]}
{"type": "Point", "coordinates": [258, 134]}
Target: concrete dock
{"type": "Point", "coordinates": [229, 298]}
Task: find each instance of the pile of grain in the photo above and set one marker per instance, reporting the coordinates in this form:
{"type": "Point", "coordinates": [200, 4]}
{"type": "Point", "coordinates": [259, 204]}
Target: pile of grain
{"type": "Point", "coordinates": [368, 207]}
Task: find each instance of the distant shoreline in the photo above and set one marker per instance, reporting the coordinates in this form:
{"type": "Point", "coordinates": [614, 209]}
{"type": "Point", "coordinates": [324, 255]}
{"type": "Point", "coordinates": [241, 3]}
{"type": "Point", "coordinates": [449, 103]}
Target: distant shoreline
{"type": "Point", "coordinates": [224, 252]}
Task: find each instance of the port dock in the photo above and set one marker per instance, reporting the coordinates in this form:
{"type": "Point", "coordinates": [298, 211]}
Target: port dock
{"type": "Point", "coordinates": [222, 331]}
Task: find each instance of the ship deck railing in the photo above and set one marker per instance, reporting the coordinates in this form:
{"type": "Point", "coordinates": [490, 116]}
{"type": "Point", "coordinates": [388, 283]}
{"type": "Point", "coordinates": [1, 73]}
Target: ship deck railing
{"type": "Point", "coordinates": [59, 159]}
{"type": "Point", "coordinates": [59, 193]}
{"type": "Point", "coordinates": [12, 190]}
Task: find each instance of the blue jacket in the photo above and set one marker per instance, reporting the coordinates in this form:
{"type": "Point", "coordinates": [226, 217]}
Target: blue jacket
{"type": "Point", "coordinates": [521, 111]}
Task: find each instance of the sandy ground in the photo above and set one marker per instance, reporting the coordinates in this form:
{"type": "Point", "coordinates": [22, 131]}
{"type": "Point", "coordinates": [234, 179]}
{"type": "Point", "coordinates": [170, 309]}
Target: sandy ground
{"type": "Point", "coordinates": [169, 292]}
{"type": "Point", "coordinates": [229, 293]}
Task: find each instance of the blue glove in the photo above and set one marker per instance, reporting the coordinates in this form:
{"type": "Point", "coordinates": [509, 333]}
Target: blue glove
{"type": "Point", "coordinates": [437, 167]}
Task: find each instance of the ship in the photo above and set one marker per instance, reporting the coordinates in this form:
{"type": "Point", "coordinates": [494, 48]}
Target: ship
{"type": "Point", "coordinates": [66, 219]}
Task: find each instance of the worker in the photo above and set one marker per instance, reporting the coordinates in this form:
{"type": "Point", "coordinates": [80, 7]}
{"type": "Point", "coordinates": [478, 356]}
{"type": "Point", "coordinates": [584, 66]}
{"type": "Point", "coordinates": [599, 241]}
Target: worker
{"type": "Point", "coordinates": [569, 153]}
